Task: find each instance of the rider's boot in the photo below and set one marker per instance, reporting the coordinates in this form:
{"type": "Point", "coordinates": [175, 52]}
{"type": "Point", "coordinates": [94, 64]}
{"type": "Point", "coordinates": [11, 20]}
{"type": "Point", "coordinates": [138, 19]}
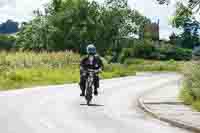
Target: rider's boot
{"type": "Point", "coordinates": [82, 94]}
{"type": "Point", "coordinates": [95, 92]}
{"type": "Point", "coordinates": [82, 91]}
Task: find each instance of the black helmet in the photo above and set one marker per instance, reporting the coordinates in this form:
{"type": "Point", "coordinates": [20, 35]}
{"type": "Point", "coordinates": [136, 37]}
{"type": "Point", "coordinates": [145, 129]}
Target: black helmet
{"type": "Point", "coordinates": [91, 49]}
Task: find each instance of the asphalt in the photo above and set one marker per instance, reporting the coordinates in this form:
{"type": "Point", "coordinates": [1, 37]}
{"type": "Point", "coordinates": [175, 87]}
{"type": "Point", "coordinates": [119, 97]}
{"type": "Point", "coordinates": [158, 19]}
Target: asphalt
{"type": "Point", "coordinates": [163, 104]}
{"type": "Point", "coordinates": [60, 109]}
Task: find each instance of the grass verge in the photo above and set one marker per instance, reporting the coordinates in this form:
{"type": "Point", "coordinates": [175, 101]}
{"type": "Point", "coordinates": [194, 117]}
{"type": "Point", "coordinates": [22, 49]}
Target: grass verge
{"type": "Point", "coordinates": [155, 65]}
{"type": "Point", "coordinates": [190, 92]}
{"type": "Point", "coordinates": [29, 77]}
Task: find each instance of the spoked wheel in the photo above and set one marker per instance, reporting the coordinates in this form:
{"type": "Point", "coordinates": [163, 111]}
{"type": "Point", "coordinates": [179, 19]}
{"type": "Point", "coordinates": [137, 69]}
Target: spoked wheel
{"type": "Point", "coordinates": [88, 96]}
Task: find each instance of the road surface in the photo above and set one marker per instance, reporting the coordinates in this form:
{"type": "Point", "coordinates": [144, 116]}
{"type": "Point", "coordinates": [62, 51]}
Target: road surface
{"type": "Point", "coordinates": [59, 109]}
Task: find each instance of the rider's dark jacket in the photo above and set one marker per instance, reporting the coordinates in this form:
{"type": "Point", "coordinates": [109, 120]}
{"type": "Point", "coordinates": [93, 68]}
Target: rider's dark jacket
{"type": "Point", "coordinates": [96, 64]}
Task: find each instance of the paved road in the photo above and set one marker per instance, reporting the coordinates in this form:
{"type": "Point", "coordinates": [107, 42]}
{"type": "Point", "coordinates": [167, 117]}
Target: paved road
{"type": "Point", "coordinates": [59, 109]}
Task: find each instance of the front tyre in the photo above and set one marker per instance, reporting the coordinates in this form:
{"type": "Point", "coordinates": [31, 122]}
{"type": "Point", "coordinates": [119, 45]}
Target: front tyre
{"type": "Point", "coordinates": [88, 95]}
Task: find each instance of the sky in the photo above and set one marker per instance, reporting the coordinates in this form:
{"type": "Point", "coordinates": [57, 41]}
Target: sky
{"type": "Point", "coordinates": [21, 10]}
{"type": "Point", "coordinates": [155, 12]}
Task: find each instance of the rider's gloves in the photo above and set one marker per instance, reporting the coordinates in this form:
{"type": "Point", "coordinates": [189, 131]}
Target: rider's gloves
{"type": "Point", "coordinates": [99, 70]}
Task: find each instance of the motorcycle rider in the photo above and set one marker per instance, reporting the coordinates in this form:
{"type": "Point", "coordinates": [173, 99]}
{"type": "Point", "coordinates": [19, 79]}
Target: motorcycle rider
{"type": "Point", "coordinates": [91, 61]}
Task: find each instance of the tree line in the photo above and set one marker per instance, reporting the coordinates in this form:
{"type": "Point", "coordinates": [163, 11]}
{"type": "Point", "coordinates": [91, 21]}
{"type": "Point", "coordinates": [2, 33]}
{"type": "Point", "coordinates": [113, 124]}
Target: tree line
{"type": "Point", "coordinates": [72, 24]}
{"type": "Point", "coordinates": [111, 26]}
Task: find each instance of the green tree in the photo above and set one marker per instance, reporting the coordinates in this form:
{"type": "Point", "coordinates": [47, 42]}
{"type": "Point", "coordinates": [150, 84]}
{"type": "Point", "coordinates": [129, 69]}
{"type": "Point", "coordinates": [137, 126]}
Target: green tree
{"type": "Point", "coordinates": [190, 3]}
{"type": "Point", "coordinates": [72, 24]}
{"type": "Point", "coordinates": [185, 20]}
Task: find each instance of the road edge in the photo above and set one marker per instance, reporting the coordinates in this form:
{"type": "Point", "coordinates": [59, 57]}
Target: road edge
{"type": "Point", "coordinates": [175, 123]}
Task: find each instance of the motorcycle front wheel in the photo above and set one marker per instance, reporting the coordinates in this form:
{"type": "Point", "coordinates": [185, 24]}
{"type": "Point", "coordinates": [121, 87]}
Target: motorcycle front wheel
{"type": "Point", "coordinates": [88, 95]}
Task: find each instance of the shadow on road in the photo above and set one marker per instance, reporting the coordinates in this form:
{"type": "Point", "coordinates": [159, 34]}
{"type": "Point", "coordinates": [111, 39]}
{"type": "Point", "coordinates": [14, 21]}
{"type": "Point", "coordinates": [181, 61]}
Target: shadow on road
{"type": "Point", "coordinates": [94, 105]}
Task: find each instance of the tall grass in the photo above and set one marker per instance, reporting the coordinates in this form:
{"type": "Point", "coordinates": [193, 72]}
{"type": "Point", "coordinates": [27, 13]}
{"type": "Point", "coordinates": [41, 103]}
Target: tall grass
{"type": "Point", "coordinates": [24, 69]}
{"type": "Point", "coordinates": [27, 69]}
{"type": "Point", "coordinates": [190, 93]}
{"type": "Point", "coordinates": [31, 59]}
{"type": "Point", "coordinates": [38, 76]}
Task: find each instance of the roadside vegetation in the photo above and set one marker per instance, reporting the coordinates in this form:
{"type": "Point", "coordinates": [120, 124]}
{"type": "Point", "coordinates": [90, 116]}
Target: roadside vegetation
{"type": "Point", "coordinates": [23, 69]}
{"type": "Point", "coordinates": [28, 69]}
{"type": "Point", "coordinates": [190, 93]}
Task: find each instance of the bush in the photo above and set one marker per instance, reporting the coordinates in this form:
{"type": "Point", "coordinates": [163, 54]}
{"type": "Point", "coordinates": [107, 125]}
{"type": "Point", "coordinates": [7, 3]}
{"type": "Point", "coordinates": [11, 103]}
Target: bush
{"type": "Point", "coordinates": [150, 65]}
{"type": "Point", "coordinates": [186, 96]}
{"type": "Point", "coordinates": [140, 49]}
{"type": "Point", "coordinates": [126, 53]}
{"type": "Point", "coordinates": [144, 49]}
{"type": "Point", "coordinates": [191, 92]}
{"type": "Point", "coordinates": [108, 58]}
{"type": "Point", "coordinates": [7, 42]}
{"type": "Point", "coordinates": [149, 50]}
{"type": "Point", "coordinates": [131, 61]}
{"type": "Point", "coordinates": [192, 78]}
{"type": "Point", "coordinates": [179, 54]}
{"type": "Point", "coordinates": [158, 56]}
{"type": "Point", "coordinates": [196, 105]}
{"type": "Point", "coordinates": [171, 52]}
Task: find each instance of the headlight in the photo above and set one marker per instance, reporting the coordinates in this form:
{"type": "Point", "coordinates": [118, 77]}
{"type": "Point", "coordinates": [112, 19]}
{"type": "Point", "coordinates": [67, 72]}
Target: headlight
{"type": "Point", "coordinates": [84, 74]}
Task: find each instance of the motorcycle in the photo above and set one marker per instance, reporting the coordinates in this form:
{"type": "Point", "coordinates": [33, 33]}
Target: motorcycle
{"type": "Point", "coordinates": [90, 85]}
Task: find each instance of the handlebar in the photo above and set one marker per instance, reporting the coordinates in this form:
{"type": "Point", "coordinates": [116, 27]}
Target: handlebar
{"type": "Point", "coordinates": [92, 70]}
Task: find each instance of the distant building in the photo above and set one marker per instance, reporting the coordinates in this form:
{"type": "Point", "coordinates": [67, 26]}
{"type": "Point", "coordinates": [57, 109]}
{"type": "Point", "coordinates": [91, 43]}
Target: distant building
{"type": "Point", "coordinates": [9, 27]}
{"type": "Point", "coordinates": [150, 31]}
